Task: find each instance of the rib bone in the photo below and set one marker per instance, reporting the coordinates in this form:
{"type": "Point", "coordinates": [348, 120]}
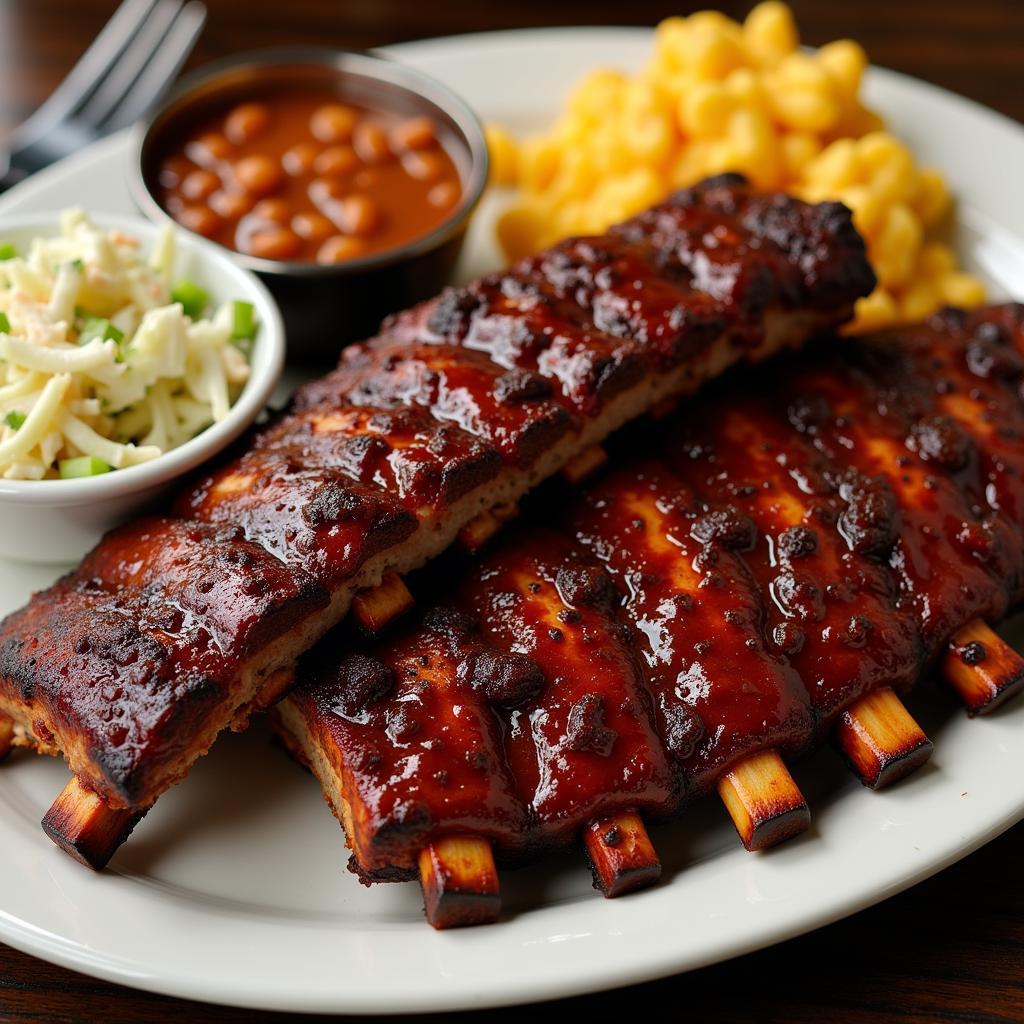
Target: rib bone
{"type": "Point", "coordinates": [764, 802]}
{"type": "Point", "coordinates": [460, 882]}
{"type": "Point", "coordinates": [380, 605]}
{"type": "Point", "coordinates": [82, 824]}
{"type": "Point", "coordinates": [622, 856]}
{"type": "Point", "coordinates": [880, 739]}
{"type": "Point", "coordinates": [983, 668]}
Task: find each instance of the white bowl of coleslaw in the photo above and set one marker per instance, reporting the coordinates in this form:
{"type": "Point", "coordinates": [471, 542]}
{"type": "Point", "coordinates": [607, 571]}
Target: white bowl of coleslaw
{"type": "Point", "coordinates": [129, 355]}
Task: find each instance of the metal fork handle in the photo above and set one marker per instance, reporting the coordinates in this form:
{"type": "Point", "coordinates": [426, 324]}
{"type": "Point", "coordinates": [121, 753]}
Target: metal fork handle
{"type": "Point", "coordinates": [160, 71]}
{"type": "Point", "coordinates": [89, 72]}
{"type": "Point", "coordinates": [123, 73]}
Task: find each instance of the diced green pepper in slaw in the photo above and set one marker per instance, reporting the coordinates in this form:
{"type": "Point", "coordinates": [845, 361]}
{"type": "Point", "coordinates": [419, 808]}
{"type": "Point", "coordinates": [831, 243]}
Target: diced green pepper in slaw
{"type": "Point", "coordinates": [82, 465]}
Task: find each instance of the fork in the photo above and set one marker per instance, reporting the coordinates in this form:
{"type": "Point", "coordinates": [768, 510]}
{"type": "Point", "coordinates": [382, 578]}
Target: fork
{"type": "Point", "coordinates": [117, 80]}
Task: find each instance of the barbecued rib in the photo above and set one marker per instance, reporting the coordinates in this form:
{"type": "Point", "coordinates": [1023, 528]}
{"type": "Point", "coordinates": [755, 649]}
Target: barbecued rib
{"type": "Point", "coordinates": [911, 490]}
{"type": "Point", "coordinates": [804, 492]}
{"type": "Point", "coordinates": [413, 710]}
{"type": "Point", "coordinates": [584, 748]}
{"type": "Point", "coordinates": [720, 693]}
{"type": "Point", "coordinates": [542, 598]}
{"type": "Point", "coordinates": [832, 612]}
{"type": "Point", "coordinates": [122, 664]}
{"type": "Point", "coordinates": [536, 611]}
{"type": "Point", "coordinates": [458, 406]}
{"type": "Point", "coordinates": [927, 424]}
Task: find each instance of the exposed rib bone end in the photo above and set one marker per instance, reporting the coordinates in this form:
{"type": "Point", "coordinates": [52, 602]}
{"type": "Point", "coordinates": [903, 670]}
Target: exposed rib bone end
{"type": "Point", "coordinates": [477, 532]}
{"type": "Point", "coordinates": [84, 827]}
{"type": "Point", "coordinates": [584, 465]}
{"type": "Point", "coordinates": [983, 668]}
{"type": "Point", "coordinates": [764, 802]}
{"type": "Point", "coordinates": [880, 739]}
{"type": "Point", "coordinates": [376, 607]}
{"type": "Point", "coordinates": [622, 856]}
{"type": "Point", "coordinates": [6, 735]}
{"type": "Point", "coordinates": [460, 882]}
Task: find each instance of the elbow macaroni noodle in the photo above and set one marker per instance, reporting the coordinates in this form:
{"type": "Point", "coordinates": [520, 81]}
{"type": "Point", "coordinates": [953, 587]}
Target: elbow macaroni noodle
{"type": "Point", "coordinates": [719, 96]}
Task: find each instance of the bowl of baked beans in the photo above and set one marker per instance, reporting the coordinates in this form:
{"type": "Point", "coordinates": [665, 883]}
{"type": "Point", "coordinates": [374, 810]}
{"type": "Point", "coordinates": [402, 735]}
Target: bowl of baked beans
{"type": "Point", "coordinates": [346, 181]}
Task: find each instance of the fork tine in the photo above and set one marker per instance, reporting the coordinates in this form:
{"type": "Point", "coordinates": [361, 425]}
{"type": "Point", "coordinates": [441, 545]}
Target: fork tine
{"type": "Point", "coordinates": [122, 75]}
{"type": "Point", "coordinates": [82, 80]}
{"type": "Point", "coordinates": [161, 71]}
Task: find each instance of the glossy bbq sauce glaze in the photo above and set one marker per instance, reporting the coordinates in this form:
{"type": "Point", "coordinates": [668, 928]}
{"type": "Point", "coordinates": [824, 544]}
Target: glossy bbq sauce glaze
{"type": "Point", "coordinates": [379, 452]}
{"type": "Point", "coordinates": [697, 617]}
{"type": "Point", "coordinates": [742, 573]}
{"type": "Point", "coordinates": [583, 744]}
{"type": "Point", "coordinates": [304, 175]}
{"type": "Point", "coordinates": [831, 612]}
{"type": "Point", "coordinates": [910, 481]}
{"type": "Point", "coordinates": [411, 731]}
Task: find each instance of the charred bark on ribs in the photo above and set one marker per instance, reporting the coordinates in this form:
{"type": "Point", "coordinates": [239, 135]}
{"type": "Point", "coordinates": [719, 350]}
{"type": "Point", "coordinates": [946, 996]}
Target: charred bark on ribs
{"type": "Point", "coordinates": [788, 553]}
{"type": "Point", "coordinates": [176, 628]}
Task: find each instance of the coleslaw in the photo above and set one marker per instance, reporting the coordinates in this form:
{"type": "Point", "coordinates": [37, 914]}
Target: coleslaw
{"type": "Point", "coordinates": [105, 360]}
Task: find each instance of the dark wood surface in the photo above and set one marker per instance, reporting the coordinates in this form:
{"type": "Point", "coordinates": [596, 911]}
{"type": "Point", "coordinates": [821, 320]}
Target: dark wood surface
{"type": "Point", "coordinates": [951, 949]}
{"type": "Point", "coordinates": [975, 47]}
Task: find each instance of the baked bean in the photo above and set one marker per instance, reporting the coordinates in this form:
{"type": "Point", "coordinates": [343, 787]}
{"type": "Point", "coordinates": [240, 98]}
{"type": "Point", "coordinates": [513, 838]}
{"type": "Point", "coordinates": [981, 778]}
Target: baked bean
{"type": "Point", "coordinates": [336, 160]}
{"type": "Point", "coordinates": [323, 190]}
{"type": "Point", "coordinates": [274, 244]}
{"type": "Point", "coordinates": [200, 219]}
{"type": "Point", "coordinates": [362, 215]}
{"type": "Point", "coordinates": [246, 121]}
{"type": "Point", "coordinates": [313, 227]}
{"type": "Point", "coordinates": [444, 195]}
{"type": "Point", "coordinates": [299, 159]}
{"type": "Point", "coordinates": [371, 143]}
{"type": "Point", "coordinates": [340, 248]}
{"type": "Point", "coordinates": [416, 133]}
{"type": "Point", "coordinates": [423, 166]}
{"type": "Point", "coordinates": [231, 205]}
{"type": "Point", "coordinates": [173, 171]}
{"type": "Point", "coordinates": [306, 175]}
{"type": "Point", "coordinates": [258, 174]}
{"type": "Point", "coordinates": [209, 149]}
{"type": "Point", "coordinates": [200, 184]}
{"type": "Point", "coordinates": [275, 211]}
{"type": "Point", "coordinates": [333, 122]}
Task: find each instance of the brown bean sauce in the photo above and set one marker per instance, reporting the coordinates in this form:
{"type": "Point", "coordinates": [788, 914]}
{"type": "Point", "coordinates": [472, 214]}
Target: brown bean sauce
{"type": "Point", "coordinates": [305, 175]}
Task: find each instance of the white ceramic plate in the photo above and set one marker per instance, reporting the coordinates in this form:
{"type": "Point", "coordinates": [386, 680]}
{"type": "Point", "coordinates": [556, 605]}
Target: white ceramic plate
{"type": "Point", "coordinates": [234, 889]}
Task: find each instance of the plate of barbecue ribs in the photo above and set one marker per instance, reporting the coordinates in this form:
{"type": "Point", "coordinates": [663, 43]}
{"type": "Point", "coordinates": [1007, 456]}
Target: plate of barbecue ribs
{"type": "Point", "coordinates": [546, 627]}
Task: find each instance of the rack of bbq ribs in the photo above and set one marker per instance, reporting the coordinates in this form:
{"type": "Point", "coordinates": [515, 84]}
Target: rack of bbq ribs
{"type": "Point", "coordinates": [792, 550]}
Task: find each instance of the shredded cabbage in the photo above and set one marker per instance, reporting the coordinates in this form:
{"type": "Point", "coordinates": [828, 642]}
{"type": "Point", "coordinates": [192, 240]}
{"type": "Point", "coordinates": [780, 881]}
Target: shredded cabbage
{"type": "Point", "coordinates": [147, 377]}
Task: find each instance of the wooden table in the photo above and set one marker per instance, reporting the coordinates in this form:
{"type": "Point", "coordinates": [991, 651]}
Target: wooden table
{"type": "Point", "coordinates": [951, 949]}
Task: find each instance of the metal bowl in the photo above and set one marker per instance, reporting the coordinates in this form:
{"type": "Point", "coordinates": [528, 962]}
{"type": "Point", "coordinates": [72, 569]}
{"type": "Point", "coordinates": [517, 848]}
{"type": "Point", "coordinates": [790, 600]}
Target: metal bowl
{"type": "Point", "coordinates": [326, 306]}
